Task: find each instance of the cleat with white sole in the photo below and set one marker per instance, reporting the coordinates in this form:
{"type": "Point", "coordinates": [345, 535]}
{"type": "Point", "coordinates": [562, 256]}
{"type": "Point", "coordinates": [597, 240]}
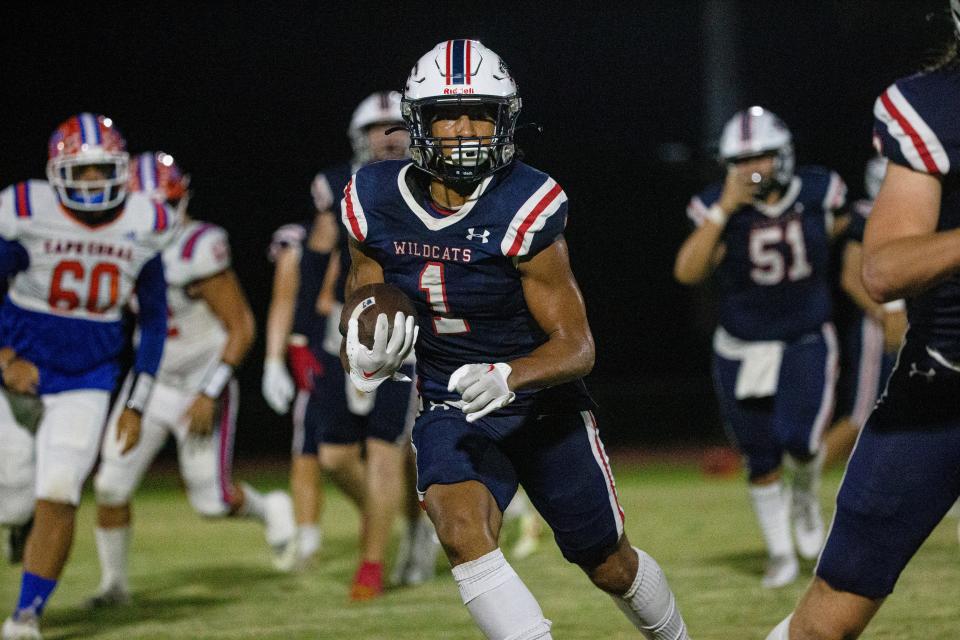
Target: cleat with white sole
{"type": "Point", "coordinates": [780, 571]}
{"type": "Point", "coordinates": [281, 530]}
{"type": "Point", "coordinates": [25, 628]}
{"type": "Point", "coordinates": [808, 529]}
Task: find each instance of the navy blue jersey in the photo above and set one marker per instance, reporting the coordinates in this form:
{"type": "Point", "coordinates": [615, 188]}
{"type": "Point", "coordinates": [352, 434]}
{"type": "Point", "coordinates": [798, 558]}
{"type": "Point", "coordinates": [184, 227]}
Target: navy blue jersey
{"type": "Point", "coordinates": [313, 264]}
{"type": "Point", "coordinates": [460, 268]}
{"type": "Point", "coordinates": [774, 277]}
{"type": "Point", "coordinates": [917, 125]}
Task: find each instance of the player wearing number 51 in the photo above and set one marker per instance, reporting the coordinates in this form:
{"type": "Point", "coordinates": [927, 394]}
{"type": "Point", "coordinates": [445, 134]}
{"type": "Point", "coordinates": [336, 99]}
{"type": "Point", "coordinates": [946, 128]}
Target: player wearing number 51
{"type": "Point", "coordinates": [474, 238]}
{"type": "Point", "coordinates": [74, 249]}
{"type": "Point", "coordinates": [765, 231]}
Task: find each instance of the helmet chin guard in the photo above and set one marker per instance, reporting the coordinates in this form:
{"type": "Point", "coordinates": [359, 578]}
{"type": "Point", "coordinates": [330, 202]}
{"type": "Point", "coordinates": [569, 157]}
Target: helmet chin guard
{"type": "Point", "coordinates": [462, 75]}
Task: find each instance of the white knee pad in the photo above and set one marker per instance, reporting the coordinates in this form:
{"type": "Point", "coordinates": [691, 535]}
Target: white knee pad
{"type": "Point", "coordinates": [112, 485]}
{"type": "Point", "coordinates": [16, 471]}
{"type": "Point", "coordinates": [16, 505]}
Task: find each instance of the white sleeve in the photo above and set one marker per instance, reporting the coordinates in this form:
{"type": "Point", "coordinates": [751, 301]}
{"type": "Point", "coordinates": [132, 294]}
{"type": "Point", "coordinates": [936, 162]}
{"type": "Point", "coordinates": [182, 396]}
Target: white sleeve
{"type": "Point", "coordinates": [9, 223]}
{"type": "Point", "coordinates": [209, 253]}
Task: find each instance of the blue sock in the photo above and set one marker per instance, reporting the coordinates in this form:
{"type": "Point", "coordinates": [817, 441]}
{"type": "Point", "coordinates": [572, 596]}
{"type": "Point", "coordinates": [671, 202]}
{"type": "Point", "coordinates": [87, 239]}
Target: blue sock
{"type": "Point", "coordinates": [34, 592]}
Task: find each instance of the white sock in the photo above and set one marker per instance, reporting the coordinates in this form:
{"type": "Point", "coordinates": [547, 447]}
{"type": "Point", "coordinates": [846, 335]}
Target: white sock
{"type": "Point", "coordinates": [112, 546]}
{"type": "Point", "coordinates": [254, 504]}
{"type": "Point", "coordinates": [650, 605]}
{"type": "Point", "coordinates": [782, 630]}
{"type": "Point", "coordinates": [498, 601]}
{"type": "Point", "coordinates": [309, 538]}
{"type": "Point", "coordinates": [773, 513]}
{"type": "Point", "coordinates": [806, 475]}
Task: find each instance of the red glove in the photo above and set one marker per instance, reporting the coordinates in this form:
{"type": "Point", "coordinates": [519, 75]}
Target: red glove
{"type": "Point", "coordinates": [303, 365]}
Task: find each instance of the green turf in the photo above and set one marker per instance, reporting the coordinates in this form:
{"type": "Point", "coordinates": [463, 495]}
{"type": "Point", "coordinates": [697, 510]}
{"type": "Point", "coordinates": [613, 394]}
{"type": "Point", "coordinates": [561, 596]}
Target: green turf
{"type": "Point", "coordinates": [197, 579]}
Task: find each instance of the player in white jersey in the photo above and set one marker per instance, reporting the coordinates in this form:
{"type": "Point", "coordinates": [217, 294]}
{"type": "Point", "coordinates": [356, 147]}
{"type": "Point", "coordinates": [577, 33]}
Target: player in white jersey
{"type": "Point", "coordinates": [73, 248]}
{"type": "Point", "coordinates": [210, 330]}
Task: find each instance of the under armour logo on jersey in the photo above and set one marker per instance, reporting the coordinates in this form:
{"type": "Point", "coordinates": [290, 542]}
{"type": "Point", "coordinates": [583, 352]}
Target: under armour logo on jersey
{"type": "Point", "coordinates": [482, 236]}
{"type": "Point", "coordinates": [130, 235]}
{"type": "Point", "coordinates": [438, 405]}
{"type": "Point", "coordinates": [928, 375]}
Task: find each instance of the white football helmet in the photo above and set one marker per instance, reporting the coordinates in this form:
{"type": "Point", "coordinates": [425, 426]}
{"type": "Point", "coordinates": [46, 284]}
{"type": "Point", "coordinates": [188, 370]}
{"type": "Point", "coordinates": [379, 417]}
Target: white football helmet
{"type": "Point", "coordinates": [80, 142]}
{"type": "Point", "coordinates": [873, 175]}
{"type": "Point", "coordinates": [461, 73]}
{"type": "Point", "coordinates": [382, 107]}
{"type": "Point", "coordinates": [754, 132]}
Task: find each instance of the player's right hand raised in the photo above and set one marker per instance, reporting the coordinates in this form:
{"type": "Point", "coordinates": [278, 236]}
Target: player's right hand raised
{"type": "Point", "coordinates": [369, 367]}
{"type": "Point", "coordinates": [739, 189]}
{"type": "Point", "coordinates": [21, 376]}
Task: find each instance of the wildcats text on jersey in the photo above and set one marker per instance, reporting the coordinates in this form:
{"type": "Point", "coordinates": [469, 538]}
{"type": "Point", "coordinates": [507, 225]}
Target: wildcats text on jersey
{"type": "Point", "coordinates": [431, 251]}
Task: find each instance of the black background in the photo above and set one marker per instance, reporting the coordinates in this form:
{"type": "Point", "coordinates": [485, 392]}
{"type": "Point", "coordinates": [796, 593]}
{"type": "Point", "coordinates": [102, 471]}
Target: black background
{"type": "Point", "coordinates": [253, 98]}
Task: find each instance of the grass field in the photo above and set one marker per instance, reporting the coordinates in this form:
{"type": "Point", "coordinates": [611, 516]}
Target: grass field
{"type": "Point", "coordinates": [196, 579]}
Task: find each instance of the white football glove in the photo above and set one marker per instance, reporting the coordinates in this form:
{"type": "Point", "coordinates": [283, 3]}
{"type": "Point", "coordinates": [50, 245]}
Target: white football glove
{"type": "Point", "coordinates": [369, 368]}
{"type": "Point", "coordinates": [277, 385]}
{"type": "Point", "coordinates": [483, 388]}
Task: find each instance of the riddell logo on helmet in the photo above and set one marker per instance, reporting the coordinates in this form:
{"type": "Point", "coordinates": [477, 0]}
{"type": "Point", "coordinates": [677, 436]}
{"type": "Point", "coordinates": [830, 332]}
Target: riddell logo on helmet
{"type": "Point", "coordinates": [457, 90]}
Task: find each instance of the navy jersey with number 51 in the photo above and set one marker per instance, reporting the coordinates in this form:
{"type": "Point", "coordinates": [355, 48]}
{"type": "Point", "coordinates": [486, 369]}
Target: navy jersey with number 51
{"type": "Point", "coordinates": [460, 268]}
{"type": "Point", "coordinates": [773, 278]}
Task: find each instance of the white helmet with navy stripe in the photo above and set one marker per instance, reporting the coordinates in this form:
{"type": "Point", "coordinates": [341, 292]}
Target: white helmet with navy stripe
{"type": "Point", "coordinates": [382, 107]}
{"type": "Point", "coordinates": [755, 132]}
{"type": "Point", "coordinates": [461, 72]}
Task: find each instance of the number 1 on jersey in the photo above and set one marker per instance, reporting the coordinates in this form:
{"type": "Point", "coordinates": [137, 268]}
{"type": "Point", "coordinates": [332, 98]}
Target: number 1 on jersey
{"type": "Point", "coordinates": [433, 284]}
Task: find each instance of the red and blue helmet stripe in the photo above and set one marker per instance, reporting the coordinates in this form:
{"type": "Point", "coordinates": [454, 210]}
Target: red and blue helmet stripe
{"type": "Point", "coordinates": [458, 62]}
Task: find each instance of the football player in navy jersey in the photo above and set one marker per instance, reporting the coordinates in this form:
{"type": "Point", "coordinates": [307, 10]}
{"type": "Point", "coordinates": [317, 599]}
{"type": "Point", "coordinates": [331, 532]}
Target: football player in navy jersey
{"type": "Point", "coordinates": [475, 239]}
{"type": "Point", "coordinates": [902, 476]}
{"type": "Point", "coordinates": [332, 418]}
{"type": "Point", "coordinates": [765, 232]}
{"type": "Point", "coordinates": [870, 333]}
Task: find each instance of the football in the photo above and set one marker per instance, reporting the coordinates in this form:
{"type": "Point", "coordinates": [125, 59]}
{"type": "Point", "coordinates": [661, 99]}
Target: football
{"type": "Point", "coordinates": [374, 299]}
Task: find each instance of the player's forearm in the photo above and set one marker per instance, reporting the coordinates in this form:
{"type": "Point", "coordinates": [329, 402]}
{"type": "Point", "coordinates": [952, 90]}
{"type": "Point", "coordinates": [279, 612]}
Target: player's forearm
{"type": "Point", "coordinates": [279, 326]}
{"type": "Point", "coordinates": [241, 332]}
{"type": "Point", "coordinates": [696, 257]}
{"type": "Point", "coordinates": [906, 267]}
{"type": "Point", "coordinates": [560, 359]}
{"type": "Point", "coordinates": [852, 283]}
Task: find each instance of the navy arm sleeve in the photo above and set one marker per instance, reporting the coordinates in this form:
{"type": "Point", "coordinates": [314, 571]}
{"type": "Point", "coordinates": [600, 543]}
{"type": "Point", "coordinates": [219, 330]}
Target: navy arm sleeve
{"type": "Point", "coordinates": [152, 298]}
{"type": "Point", "coordinates": [13, 258]}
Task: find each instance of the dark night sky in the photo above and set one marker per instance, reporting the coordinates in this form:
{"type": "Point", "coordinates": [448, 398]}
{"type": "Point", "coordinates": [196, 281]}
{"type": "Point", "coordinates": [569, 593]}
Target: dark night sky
{"type": "Point", "coordinates": [254, 98]}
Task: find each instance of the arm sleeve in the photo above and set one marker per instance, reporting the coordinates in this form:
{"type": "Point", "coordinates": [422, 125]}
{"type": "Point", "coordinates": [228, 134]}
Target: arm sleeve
{"type": "Point", "coordinates": [538, 222]}
{"type": "Point", "coordinates": [212, 252]}
{"type": "Point", "coordinates": [908, 123]}
{"type": "Point", "coordinates": [152, 298]}
{"type": "Point", "coordinates": [13, 258]}
{"type": "Point", "coordinates": [351, 210]}
{"type": "Point", "coordinates": [11, 200]}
